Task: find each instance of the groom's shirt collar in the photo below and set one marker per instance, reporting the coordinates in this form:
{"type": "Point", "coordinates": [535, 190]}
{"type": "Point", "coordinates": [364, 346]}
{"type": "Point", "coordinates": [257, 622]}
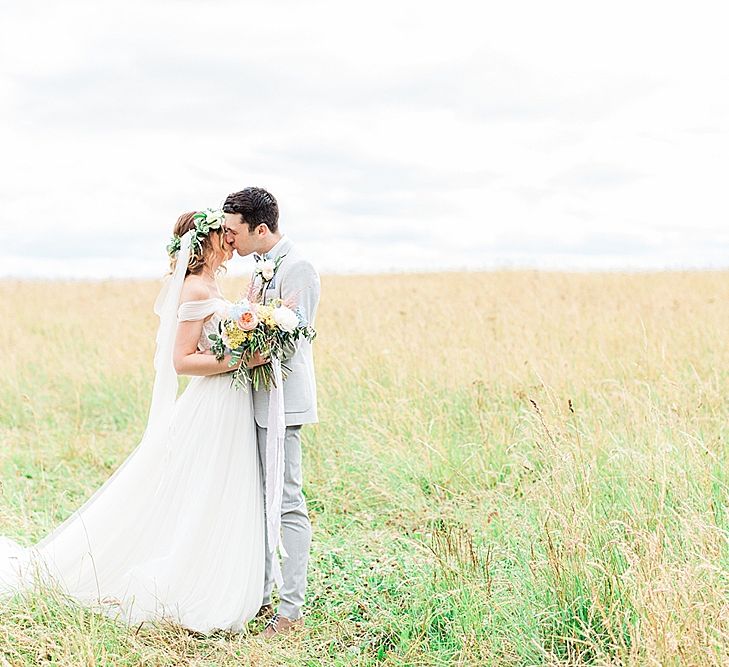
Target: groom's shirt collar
{"type": "Point", "coordinates": [282, 245]}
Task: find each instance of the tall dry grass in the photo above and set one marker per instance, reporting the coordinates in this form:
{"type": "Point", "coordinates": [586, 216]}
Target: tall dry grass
{"type": "Point", "coordinates": [512, 468]}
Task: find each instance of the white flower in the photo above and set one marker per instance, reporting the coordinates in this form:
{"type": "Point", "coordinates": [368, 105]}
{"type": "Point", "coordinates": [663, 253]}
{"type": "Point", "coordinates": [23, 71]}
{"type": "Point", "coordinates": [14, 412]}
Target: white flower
{"type": "Point", "coordinates": [286, 318]}
{"type": "Point", "coordinates": [226, 340]}
{"type": "Point", "coordinates": [214, 217]}
{"type": "Point", "coordinates": [266, 268]}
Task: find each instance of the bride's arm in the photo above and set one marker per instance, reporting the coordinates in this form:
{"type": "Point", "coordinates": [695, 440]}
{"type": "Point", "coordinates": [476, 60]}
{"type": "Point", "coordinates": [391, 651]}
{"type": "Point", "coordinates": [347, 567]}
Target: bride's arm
{"type": "Point", "coordinates": [187, 359]}
{"type": "Point", "coordinates": [185, 356]}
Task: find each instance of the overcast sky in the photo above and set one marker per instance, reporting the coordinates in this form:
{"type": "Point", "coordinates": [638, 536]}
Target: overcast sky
{"type": "Point", "coordinates": [395, 135]}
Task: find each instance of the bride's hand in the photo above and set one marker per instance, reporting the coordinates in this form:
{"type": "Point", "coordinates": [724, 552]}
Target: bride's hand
{"type": "Point", "coordinates": [257, 360]}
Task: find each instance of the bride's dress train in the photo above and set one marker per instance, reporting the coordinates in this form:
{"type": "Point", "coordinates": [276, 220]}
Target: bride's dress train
{"type": "Point", "coordinates": [178, 531]}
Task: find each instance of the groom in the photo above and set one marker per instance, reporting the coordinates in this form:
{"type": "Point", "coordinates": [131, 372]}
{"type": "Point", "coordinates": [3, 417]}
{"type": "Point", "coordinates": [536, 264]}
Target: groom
{"type": "Point", "coordinates": [251, 226]}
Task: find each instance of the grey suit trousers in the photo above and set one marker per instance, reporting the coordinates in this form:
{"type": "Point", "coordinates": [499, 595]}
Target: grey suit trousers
{"type": "Point", "coordinates": [295, 527]}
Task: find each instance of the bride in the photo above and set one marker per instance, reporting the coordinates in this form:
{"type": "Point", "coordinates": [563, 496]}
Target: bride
{"type": "Point", "coordinates": [177, 532]}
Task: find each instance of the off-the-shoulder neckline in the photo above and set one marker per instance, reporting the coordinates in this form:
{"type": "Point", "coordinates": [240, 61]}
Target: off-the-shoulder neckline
{"type": "Point", "coordinates": [214, 298]}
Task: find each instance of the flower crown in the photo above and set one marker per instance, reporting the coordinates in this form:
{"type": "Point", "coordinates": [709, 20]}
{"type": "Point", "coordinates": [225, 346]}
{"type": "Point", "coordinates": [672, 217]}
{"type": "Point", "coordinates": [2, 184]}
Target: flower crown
{"type": "Point", "coordinates": [204, 222]}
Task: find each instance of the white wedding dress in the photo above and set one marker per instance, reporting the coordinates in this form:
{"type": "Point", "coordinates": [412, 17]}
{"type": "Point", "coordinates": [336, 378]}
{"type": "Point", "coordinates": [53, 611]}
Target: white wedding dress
{"type": "Point", "coordinates": [178, 531]}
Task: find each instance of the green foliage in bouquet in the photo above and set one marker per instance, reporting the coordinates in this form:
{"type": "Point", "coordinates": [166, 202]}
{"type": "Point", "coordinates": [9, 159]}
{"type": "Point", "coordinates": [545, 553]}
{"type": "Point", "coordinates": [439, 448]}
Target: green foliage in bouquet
{"type": "Point", "coordinates": [272, 330]}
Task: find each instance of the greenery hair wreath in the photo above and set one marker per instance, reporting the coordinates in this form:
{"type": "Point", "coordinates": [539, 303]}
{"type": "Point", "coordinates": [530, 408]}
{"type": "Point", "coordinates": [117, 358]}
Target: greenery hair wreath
{"type": "Point", "coordinates": [204, 222]}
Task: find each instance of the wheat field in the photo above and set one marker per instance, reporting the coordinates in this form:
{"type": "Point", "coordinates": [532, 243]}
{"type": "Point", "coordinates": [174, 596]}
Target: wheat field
{"type": "Point", "coordinates": [512, 468]}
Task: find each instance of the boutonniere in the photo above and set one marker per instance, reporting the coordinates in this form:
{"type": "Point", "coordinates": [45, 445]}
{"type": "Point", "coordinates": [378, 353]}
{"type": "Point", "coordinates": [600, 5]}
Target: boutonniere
{"type": "Point", "coordinates": [266, 268]}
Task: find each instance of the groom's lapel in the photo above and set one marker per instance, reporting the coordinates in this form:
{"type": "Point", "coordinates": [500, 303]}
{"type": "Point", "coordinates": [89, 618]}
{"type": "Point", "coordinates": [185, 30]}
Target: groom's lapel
{"type": "Point", "coordinates": [283, 249]}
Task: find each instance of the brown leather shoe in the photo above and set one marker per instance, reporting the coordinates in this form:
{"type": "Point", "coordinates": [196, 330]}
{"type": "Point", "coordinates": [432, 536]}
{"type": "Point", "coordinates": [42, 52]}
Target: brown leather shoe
{"type": "Point", "coordinates": [280, 625]}
{"type": "Point", "coordinates": [265, 612]}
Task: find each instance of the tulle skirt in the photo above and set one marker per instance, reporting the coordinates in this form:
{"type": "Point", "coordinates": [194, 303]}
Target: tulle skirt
{"type": "Point", "coordinates": [176, 533]}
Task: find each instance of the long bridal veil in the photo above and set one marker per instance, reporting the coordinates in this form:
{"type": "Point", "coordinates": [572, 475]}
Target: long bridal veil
{"type": "Point", "coordinates": [66, 554]}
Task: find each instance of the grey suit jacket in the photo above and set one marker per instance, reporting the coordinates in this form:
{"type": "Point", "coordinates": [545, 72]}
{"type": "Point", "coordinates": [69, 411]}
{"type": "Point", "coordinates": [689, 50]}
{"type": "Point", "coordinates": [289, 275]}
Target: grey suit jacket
{"type": "Point", "coordinates": [298, 280]}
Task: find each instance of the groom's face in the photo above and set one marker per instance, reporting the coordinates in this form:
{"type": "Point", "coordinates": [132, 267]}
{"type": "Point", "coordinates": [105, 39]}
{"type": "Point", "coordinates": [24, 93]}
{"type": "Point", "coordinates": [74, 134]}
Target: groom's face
{"type": "Point", "coordinates": [238, 235]}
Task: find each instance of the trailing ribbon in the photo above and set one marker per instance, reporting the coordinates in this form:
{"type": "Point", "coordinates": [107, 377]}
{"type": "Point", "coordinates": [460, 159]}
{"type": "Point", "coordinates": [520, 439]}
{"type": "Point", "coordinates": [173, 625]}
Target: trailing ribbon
{"type": "Point", "coordinates": [275, 460]}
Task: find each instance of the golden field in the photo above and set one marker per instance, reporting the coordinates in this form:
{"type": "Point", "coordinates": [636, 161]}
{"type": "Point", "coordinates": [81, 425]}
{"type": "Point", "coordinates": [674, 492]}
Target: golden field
{"type": "Point", "coordinates": [512, 468]}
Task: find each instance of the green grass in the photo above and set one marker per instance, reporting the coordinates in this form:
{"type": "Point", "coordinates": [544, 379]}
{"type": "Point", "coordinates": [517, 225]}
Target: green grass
{"type": "Point", "coordinates": [543, 482]}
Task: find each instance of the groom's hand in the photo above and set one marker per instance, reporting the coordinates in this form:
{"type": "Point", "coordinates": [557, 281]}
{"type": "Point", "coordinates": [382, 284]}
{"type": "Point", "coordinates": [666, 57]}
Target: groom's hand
{"type": "Point", "coordinates": [257, 360]}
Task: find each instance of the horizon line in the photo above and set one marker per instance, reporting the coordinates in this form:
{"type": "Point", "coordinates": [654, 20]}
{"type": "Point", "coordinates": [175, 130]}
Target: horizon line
{"type": "Point", "coordinates": [630, 270]}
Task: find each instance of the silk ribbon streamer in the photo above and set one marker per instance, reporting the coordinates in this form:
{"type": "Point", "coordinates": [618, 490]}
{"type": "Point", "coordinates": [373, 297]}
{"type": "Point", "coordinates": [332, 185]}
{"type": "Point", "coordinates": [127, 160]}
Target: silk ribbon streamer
{"type": "Point", "coordinates": [275, 459]}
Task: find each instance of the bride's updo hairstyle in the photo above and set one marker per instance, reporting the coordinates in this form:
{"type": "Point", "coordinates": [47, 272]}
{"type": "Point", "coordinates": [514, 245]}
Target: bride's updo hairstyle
{"type": "Point", "coordinates": [211, 244]}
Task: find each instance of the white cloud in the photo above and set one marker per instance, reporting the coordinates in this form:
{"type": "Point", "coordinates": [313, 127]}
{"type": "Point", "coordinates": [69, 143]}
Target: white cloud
{"type": "Point", "coordinates": [395, 135]}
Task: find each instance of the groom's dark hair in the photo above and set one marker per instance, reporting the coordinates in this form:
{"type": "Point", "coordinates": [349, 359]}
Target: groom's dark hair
{"type": "Point", "coordinates": [256, 206]}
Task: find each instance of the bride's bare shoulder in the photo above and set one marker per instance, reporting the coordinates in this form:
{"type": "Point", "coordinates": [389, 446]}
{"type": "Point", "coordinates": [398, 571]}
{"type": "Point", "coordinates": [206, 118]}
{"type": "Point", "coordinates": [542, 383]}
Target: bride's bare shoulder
{"type": "Point", "coordinates": [194, 289]}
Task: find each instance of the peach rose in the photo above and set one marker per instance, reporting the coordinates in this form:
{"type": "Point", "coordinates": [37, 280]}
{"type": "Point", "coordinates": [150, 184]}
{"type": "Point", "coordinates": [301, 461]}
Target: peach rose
{"type": "Point", "coordinates": [248, 321]}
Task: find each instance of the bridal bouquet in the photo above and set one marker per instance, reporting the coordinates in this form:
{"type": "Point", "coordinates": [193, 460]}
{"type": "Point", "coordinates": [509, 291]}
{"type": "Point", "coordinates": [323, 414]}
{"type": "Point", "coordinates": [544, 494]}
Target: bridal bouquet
{"type": "Point", "coordinates": [249, 327]}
